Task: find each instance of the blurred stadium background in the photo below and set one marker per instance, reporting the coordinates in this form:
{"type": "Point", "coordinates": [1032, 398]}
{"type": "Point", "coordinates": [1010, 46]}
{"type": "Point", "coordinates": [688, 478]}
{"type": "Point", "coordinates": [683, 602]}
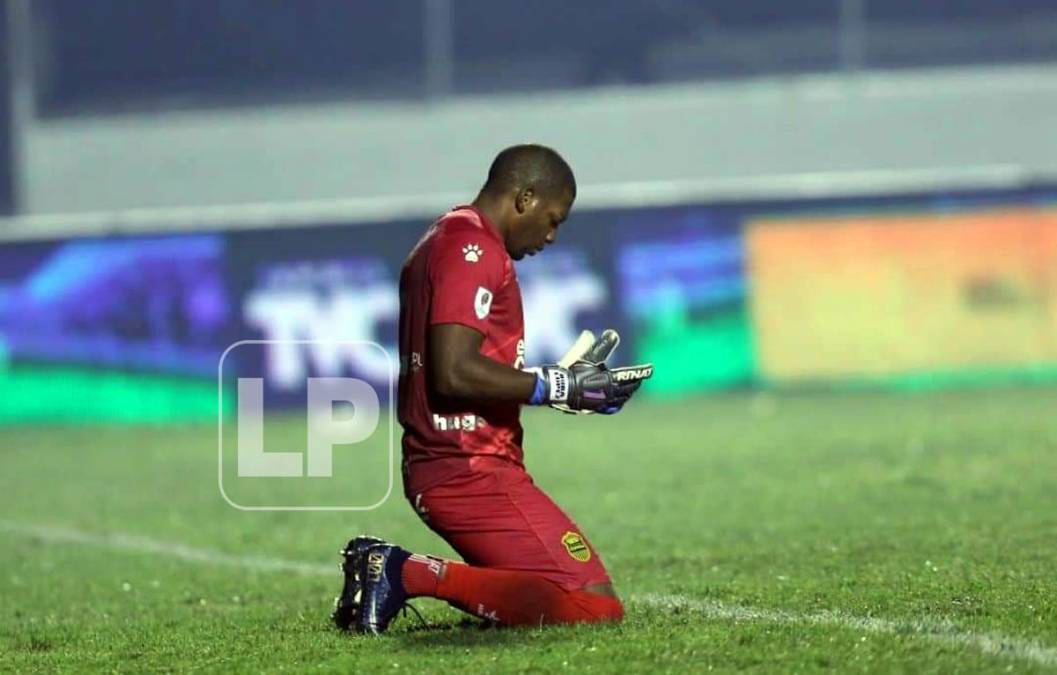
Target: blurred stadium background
{"type": "Point", "coordinates": [831, 224]}
{"type": "Point", "coordinates": [821, 192]}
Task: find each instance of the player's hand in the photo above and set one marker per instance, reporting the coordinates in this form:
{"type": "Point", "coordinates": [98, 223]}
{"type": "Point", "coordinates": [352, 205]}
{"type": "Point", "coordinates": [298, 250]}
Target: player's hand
{"type": "Point", "coordinates": [593, 387]}
{"type": "Point", "coordinates": [582, 383]}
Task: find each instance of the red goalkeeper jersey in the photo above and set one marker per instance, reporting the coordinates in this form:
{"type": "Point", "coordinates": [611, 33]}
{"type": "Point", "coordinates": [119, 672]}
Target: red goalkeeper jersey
{"type": "Point", "coordinates": [459, 272]}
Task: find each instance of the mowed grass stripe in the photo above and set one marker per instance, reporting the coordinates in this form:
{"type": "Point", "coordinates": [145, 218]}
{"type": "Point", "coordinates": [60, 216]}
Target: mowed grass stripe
{"type": "Point", "coordinates": [930, 629]}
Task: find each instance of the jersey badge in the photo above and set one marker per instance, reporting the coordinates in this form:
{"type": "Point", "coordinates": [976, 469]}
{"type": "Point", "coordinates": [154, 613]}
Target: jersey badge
{"type": "Point", "coordinates": [482, 303]}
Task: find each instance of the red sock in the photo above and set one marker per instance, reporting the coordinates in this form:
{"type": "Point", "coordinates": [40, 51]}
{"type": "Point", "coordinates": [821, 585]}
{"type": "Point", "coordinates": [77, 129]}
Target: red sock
{"type": "Point", "coordinates": [509, 597]}
{"type": "Point", "coordinates": [420, 575]}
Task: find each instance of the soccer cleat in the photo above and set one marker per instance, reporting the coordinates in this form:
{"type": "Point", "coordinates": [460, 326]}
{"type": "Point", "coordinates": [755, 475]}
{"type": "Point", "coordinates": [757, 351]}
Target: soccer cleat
{"type": "Point", "coordinates": [383, 592]}
{"type": "Point", "coordinates": [346, 605]}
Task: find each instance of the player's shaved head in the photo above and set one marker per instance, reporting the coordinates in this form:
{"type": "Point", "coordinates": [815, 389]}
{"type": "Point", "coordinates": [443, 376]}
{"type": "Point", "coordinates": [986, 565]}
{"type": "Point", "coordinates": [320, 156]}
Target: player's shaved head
{"type": "Point", "coordinates": [530, 166]}
{"type": "Point", "coordinates": [528, 194]}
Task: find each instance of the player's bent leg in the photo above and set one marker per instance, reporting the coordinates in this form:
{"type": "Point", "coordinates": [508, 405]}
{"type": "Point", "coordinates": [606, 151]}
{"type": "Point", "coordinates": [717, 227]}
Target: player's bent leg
{"type": "Point", "coordinates": [508, 597]}
{"type": "Point", "coordinates": [391, 575]}
{"type": "Point", "coordinates": [601, 589]}
{"type": "Point", "coordinates": [500, 519]}
{"type": "Point", "coordinates": [601, 607]}
{"type": "Point", "coordinates": [528, 563]}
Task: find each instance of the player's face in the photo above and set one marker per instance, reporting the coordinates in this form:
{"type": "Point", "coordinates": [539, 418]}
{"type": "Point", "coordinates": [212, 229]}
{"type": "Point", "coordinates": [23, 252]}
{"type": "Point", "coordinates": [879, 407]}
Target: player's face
{"type": "Point", "coordinates": [539, 221]}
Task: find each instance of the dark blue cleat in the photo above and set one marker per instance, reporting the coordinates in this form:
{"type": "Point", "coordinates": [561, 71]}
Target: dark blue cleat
{"type": "Point", "coordinates": [347, 605]}
{"type": "Point", "coordinates": [383, 592]}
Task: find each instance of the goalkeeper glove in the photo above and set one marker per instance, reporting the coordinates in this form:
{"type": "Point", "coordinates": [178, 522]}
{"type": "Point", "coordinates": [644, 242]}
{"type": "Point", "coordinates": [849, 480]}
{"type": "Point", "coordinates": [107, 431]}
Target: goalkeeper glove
{"type": "Point", "coordinates": [586, 385]}
{"type": "Point", "coordinates": [589, 348]}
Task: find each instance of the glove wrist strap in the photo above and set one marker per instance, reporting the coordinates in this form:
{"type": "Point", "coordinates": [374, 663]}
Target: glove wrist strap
{"type": "Point", "coordinates": [539, 394]}
{"type": "Point", "coordinates": [557, 384]}
{"type": "Point", "coordinates": [552, 385]}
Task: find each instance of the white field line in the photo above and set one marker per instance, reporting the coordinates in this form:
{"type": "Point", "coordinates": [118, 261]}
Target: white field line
{"type": "Point", "coordinates": [135, 544]}
{"type": "Point", "coordinates": [926, 628]}
{"type": "Point", "coordinates": [929, 629]}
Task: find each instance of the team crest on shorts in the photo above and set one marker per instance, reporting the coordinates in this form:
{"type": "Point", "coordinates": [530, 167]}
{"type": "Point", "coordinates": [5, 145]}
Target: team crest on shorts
{"type": "Point", "coordinates": [576, 546]}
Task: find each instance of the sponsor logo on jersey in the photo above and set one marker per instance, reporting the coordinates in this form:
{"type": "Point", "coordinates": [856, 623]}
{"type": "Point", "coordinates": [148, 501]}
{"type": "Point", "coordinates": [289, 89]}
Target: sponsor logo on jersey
{"type": "Point", "coordinates": [472, 253]}
{"type": "Point", "coordinates": [519, 360]}
{"type": "Point", "coordinates": [410, 364]}
{"type": "Point", "coordinates": [457, 422]}
{"type": "Point", "coordinates": [482, 303]}
{"type": "Point", "coordinates": [576, 546]}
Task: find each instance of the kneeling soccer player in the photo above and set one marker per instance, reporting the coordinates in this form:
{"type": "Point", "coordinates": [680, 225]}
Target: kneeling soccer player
{"type": "Point", "coordinates": [461, 387]}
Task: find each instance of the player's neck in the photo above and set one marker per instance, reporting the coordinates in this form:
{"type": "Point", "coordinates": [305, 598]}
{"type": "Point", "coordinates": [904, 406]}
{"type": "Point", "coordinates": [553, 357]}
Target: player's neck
{"type": "Point", "coordinates": [490, 207]}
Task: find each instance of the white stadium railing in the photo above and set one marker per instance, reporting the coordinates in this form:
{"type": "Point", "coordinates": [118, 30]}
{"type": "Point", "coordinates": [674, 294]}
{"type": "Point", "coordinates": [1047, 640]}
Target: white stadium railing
{"type": "Point", "coordinates": [262, 215]}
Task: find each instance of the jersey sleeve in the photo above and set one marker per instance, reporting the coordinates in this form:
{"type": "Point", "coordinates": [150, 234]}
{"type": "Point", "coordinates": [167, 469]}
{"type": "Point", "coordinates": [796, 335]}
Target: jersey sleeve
{"type": "Point", "coordinates": [465, 272]}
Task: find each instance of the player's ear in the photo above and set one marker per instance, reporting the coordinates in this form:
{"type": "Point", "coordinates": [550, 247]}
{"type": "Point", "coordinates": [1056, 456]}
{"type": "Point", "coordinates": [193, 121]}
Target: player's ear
{"type": "Point", "coordinates": [524, 200]}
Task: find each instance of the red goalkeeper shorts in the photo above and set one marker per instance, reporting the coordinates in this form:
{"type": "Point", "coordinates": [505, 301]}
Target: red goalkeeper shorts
{"type": "Point", "coordinates": [498, 518]}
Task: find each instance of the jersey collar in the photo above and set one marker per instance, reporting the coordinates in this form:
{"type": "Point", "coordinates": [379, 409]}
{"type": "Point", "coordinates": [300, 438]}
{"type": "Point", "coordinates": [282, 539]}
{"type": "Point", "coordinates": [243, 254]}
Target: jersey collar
{"type": "Point", "coordinates": [485, 220]}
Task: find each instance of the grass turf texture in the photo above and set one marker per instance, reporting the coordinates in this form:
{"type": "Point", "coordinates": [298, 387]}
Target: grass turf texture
{"type": "Point", "coordinates": [937, 506]}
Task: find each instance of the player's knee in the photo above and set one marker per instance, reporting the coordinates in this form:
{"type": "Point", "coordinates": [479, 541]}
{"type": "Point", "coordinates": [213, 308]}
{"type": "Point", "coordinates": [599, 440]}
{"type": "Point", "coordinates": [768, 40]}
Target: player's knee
{"type": "Point", "coordinates": [613, 612]}
{"type": "Point", "coordinates": [600, 608]}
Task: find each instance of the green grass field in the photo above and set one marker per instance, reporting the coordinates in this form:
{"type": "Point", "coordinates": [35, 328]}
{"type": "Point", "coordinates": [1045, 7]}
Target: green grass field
{"type": "Point", "coordinates": [846, 532]}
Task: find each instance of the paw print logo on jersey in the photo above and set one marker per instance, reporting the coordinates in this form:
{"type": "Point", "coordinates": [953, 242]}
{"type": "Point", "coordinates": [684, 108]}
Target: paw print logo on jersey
{"type": "Point", "coordinates": [472, 252]}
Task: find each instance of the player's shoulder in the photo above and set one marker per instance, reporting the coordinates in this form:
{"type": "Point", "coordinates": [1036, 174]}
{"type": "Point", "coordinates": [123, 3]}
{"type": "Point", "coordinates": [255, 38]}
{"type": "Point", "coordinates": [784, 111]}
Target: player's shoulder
{"type": "Point", "coordinates": [464, 229]}
{"type": "Point", "coordinates": [463, 220]}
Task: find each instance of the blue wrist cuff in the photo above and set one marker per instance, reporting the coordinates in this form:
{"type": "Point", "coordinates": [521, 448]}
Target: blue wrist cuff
{"type": "Point", "coordinates": [539, 394]}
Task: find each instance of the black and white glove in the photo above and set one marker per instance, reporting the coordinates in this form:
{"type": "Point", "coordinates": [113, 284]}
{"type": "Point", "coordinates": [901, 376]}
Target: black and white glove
{"type": "Point", "coordinates": [587, 385]}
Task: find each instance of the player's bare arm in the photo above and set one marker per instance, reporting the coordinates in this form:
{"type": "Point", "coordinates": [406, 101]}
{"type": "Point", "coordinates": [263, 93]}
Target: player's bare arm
{"type": "Point", "coordinates": [459, 370]}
